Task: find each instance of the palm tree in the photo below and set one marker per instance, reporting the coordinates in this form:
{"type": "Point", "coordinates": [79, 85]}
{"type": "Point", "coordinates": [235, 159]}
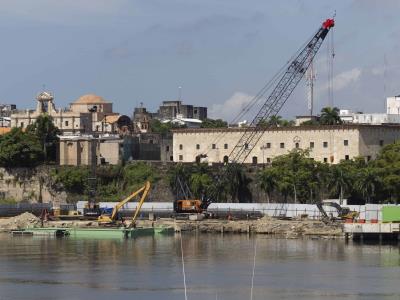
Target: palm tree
{"type": "Point", "coordinates": [339, 182]}
{"type": "Point", "coordinates": [330, 116]}
{"type": "Point", "coordinates": [366, 183]}
{"type": "Point", "coordinates": [275, 121]}
{"type": "Point", "coordinates": [267, 180]}
{"type": "Point", "coordinates": [237, 183]}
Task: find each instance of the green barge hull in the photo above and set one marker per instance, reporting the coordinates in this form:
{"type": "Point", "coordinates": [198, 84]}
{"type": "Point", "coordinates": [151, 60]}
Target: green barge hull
{"type": "Point", "coordinates": [95, 233]}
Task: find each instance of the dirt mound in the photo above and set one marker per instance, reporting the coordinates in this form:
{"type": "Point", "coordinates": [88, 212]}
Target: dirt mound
{"type": "Point", "coordinates": [19, 222]}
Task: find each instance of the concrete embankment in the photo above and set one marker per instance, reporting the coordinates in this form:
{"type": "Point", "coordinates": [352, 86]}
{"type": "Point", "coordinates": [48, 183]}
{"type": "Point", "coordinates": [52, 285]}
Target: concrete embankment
{"type": "Point", "coordinates": [266, 225]}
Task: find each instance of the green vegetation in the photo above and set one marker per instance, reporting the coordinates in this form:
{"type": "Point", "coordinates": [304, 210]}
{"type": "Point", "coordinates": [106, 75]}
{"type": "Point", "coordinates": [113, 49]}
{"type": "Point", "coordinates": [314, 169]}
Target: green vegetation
{"type": "Point", "coordinates": [217, 123]}
{"type": "Point", "coordinates": [276, 121]}
{"type": "Point", "coordinates": [203, 181]}
{"type": "Point", "coordinates": [156, 126]}
{"type": "Point", "coordinates": [20, 149]}
{"type": "Point", "coordinates": [36, 145]}
{"type": "Point", "coordinates": [47, 135]}
{"type": "Point", "coordinates": [300, 178]}
{"type": "Point", "coordinates": [8, 201]}
{"type": "Point", "coordinates": [329, 116]}
{"type": "Point", "coordinates": [113, 182]}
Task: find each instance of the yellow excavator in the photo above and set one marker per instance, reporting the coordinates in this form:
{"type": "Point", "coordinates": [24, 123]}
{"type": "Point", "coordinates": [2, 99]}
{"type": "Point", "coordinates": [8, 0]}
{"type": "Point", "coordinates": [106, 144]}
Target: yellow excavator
{"type": "Point", "coordinates": [106, 219]}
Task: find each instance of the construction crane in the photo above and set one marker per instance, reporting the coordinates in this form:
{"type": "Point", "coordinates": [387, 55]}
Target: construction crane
{"type": "Point", "coordinates": [273, 103]}
{"type": "Point", "coordinates": [106, 219]}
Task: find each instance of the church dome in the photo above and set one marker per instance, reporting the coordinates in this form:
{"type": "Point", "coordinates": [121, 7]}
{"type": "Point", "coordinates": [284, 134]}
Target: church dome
{"type": "Point", "coordinates": [90, 99]}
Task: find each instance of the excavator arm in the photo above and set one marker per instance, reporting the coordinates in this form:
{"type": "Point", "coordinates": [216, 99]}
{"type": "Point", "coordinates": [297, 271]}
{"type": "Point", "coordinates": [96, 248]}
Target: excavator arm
{"type": "Point", "coordinates": [142, 199]}
{"type": "Point", "coordinates": [106, 219]}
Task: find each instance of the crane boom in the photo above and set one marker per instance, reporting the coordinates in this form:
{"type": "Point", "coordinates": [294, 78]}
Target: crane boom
{"type": "Point", "coordinates": [275, 101]}
{"type": "Point", "coordinates": [284, 88]}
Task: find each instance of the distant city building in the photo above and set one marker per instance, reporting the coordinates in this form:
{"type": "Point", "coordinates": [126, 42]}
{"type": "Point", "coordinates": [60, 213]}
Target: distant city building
{"type": "Point", "coordinates": [392, 115]}
{"type": "Point", "coordinates": [329, 143]}
{"type": "Point", "coordinates": [7, 109]}
{"type": "Point", "coordinates": [171, 109]}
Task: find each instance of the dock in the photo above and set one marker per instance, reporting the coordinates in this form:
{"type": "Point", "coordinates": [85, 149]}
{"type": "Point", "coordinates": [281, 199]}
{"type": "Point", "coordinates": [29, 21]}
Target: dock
{"type": "Point", "coordinates": [372, 231]}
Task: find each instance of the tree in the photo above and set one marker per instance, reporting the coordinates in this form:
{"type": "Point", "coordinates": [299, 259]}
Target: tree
{"type": "Point", "coordinates": [340, 180]}
{"type": "Point", "coordinates": [330, 116]}
{"type": "Point", "coordinates": [20, 149]}
{"type": "Point", "coordinates": [47, 134]}
{"type": "Point", "coordinates": [366, 183]}
{"type": "Point", "coordinates": [210, 123]}
{"type": "Point", "coordinates": [237, 183]}
{"type": "Point", "coordinates": [267, 179]}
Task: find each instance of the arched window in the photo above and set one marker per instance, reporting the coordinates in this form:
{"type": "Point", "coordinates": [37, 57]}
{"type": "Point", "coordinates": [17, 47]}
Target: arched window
{"type": "Point", "coordinates": [254, 160]}
{"type": "Point", "coordinates": [226, 159]}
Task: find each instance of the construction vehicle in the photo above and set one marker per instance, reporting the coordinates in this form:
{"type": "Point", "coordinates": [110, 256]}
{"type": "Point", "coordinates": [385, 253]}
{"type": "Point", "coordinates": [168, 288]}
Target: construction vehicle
{"type": "Point", "coordinates": [286, 81]}
{"type": "Point", "coordinates": [344, 213]}
{"type": "Point", "coordinates": [113, 218]}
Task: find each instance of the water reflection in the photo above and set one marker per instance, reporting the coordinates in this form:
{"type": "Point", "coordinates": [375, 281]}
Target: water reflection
{"type": "Point", "coordinates": [150, 268]}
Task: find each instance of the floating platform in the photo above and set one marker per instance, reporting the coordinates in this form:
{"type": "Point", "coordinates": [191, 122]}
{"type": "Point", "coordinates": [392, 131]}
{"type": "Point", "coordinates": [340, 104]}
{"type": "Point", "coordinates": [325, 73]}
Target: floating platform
{"type": "Point", "coordinates": [95, 233]}
{"type": "Point", "coordinates": [372, 231]}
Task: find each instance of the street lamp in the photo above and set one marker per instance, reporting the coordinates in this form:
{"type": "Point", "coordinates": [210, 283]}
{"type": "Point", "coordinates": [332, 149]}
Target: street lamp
{"type": "Point", "coordinates": [263, 147]}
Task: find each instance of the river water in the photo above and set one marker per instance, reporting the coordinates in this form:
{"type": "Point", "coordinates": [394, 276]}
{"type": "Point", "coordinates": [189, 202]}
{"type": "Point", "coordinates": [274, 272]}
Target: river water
{"type": "Point", "coordinates": [216, 267]}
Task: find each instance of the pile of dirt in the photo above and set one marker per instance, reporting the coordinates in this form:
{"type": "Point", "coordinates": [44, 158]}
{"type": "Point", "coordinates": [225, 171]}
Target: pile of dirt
{"type": "Point", "coordinates": [21, 221]}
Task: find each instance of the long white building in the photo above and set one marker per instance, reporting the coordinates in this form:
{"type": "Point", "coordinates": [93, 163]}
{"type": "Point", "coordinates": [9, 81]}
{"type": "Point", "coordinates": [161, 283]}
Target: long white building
{"type": "Point", "coordinates": [329, 144]}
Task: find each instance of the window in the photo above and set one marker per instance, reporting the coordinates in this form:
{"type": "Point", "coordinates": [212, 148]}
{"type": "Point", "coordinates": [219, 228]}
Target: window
{"type": "Point", "coordinates": [325, 144]}
{"type": "Point", "coordinates": [268, 145]}
{"type": "Point", "coordinates": [381, 143]}
{"type": "Point", "coordinates": [197, 146]}
{"type": "Point", "coordinates": [268, 160]}
{"type": "Point", "coordinates": [225, 146]}
{"type": "Point", "coordinates": [254, 160]}
{"type": "Point", "coordinates": [311, 145]}
{"type": "Point", "coordinates": [180, 157]}
{"type": "Point", "coordinates": [213, 146]}
{"type": "Point", "coordinates": [346, 142]}
{"type": "Point", "coordinates": [171, 158]}
{"type": "Point", "coordinates": [166, 148]}
{"type": "Point", "coordinates": [180, 147]}
{"type": "Point", "coordinates": [325, 159]}
{"type": "Point", "coordinates": [151, 142]}
{"type": "Point", "coordinates": [226, 159]}
{"type": "Point", "coordinates": [346, 157]}
{"type": "Point", "coordinates": [282, 145]}
{"type": "Point", "coordinates": [297, 145]}
{"type": "Point", "coordinates": [246, 146]}
{"type": "Point", "coordinates": [368, 157]}
{"type": "Point", "coordinates": [66, 123]}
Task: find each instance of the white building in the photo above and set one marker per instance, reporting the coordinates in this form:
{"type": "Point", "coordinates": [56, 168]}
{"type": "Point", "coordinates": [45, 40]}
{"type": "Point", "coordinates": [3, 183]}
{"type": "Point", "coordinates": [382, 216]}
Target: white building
{"type": "Point", "coordinates": [392, 115]}
{"type": "Point", "coordinates": [329, 143]}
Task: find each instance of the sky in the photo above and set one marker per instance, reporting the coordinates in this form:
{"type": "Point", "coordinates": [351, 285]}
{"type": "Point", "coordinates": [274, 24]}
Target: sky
{"type": "Point", "coordinates": [220, 52]}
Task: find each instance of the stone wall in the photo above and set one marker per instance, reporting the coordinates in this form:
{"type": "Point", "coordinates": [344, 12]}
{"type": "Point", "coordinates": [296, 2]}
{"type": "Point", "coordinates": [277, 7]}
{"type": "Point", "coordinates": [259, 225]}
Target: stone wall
{"type": "Point", "coordinates": [29, 185]}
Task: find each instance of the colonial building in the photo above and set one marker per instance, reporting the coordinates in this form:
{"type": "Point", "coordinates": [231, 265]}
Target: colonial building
{"type": "Point", "coordinates": [80, 150]}
{"type": "Point", "coordinates": [329, 144]}
{"type": "Point", "coordinates": [66, 120]}
{"type": "Point", "coordinates": [89, 113]}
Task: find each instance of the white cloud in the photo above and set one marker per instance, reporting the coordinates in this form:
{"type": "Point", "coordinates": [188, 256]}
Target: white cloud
{"type": "Point", "coordinates": [343, 80]}
{"type": "Point", "coordinates": [231, 107]}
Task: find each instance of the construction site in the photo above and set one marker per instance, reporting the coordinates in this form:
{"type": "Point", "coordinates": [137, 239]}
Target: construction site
{"type": "Point", "coordinates": [189, 213]}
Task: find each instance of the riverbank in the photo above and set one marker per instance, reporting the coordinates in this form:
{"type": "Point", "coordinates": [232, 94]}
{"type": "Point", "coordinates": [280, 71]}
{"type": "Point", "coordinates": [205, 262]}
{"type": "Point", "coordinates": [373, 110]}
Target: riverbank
{"type": "Point", "coordinates": [266, 225]}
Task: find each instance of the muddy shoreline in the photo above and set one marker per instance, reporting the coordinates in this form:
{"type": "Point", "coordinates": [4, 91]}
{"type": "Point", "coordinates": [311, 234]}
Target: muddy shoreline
{"type": "Point", "coordinates": [266, 225]}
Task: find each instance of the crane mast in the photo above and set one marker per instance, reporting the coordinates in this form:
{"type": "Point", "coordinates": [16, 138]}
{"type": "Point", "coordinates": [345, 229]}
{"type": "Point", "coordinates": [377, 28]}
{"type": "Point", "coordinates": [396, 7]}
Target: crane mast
{"type": "Point", "coordinates": [275, 101]}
